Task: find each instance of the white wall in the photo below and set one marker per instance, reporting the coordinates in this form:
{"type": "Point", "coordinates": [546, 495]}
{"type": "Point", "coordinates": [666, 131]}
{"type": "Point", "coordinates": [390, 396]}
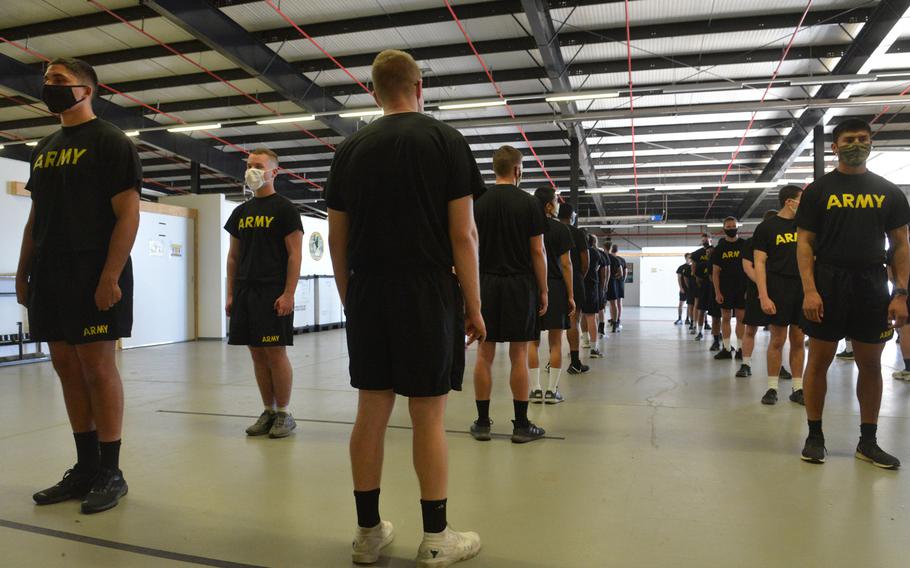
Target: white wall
{"type": "Point", "coordinates": [659, 286]}
{"type": "Point", "coordinates": [13, 214]}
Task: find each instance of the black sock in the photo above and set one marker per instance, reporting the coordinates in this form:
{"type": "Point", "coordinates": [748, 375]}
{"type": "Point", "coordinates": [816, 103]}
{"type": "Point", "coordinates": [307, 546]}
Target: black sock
{"type": "Point", "coordinates": [87, 453]}
{"type": "Point", "coordinates": [434, 515]}
{"type": "Point", "coordinates": [483, 411]}
{"type": "Point", "coordinates": [576, 360]}
{"type": "Point", "coordinates": [907, 364]}
{"type": "Point", "coordinates": [815, 429]}
{"type": "Point", "coordinates": [521, 413]}
{"type": "Point", "coordinates": [867, 432]}
{"type": "Point", "coordinates": [367, 503]}
{"type": "Point", "coordinates": [110, 455]}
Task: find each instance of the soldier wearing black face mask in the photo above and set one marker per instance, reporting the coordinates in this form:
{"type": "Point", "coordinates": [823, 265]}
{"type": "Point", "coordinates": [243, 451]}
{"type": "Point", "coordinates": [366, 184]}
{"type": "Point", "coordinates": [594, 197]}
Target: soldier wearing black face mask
{"type": "Point", "coordinates": [729, 280]}
{"type": "Point", "coordinates": [75, 275]}
{"type": "Point", "coordinates": [842, 221]}
{"type": "Point", "coordinates": [701, 259]}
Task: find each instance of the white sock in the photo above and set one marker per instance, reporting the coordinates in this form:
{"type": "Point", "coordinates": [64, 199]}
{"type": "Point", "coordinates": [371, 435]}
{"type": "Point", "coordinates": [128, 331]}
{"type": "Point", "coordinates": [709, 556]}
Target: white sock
{"type": "Point", "coordinates": [726, 343]}
{"type": "Point", "coordinates": [270, 408]}
{"type": "Point", "coordinates": [849, 346]}
{"type": "Point", "coordinates": [747, 361]}
{"type": "Point", "coordinates": [537, 384]}
{"type": "Point", "coordinates": [284, 409]}
{"type": "Point", "coordinates": [797, 383]}
{"type": "Point", "coordinates": [773, 382]}
{"type": "Point", "coordinates": [553, 383]}
{"type": "Point", "coordinates": [701, 327]}
{"type": "Point", "coordinates": [734, 342]}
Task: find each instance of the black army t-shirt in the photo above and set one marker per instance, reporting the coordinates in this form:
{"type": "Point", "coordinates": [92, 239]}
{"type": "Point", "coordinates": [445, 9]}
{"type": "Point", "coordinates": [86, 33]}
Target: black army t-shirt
{"type": "Point", "coordinates": [558, 241]}
{"type": "Point", "coordinates": [776, 237]}
{"type": "Point", "coordinates": [580, 244]}
{"type": "Point", "coordinates": [507, 218]}
{"type": "Point", "coordinates": [684, 270]}
{"type": "Point", "coordinates": [729, 257]}
{"type": "Point", "coordinates": [261, 224]}
{"type": "Point", "coordinates": [850, 215]}
{"type": "Point", "coordinates": [394, 178]}
{"type": "Point", "coordinates": [74, 174]}
{"type": "Point", "coordinates": [596, 263]}
{"type": "Point", "coordinates": [702, 259]}
{"type": "Point", "coordinates": [617, 266]}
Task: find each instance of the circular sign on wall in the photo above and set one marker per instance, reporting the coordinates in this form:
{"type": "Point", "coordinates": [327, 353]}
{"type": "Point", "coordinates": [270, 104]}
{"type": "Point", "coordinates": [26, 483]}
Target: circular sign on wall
{"type": "Point", "coordinates": [317, 246]}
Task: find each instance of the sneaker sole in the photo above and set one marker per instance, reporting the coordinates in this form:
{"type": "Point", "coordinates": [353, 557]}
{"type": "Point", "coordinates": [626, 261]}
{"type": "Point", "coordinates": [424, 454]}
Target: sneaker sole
{"type": "Point", "coordinates": [59, 499]}
{"type": "Point", "coordinates": [283, 435]}
{"type": "Point", "coordinates": [553, 401]}
{"type": "Point", "coordinates": [366, 558]}
{"type": "Point", "coordinates": [536, 401]}
{"type": "Point", "coordinates": [812, 460]}
{"type": "Point", "coordinates": [482, 437]}
{"type": "Point", "coordinates": [255, 434]}
{"type": "Point", "coordinates": [769, 403]}
{"type": "Point", "coordinates": [866, 459]}
{"type": "Point", "coordinates": [86, 511]}
{"type": "Point", "coordinates": [525, 440]}
{"type": "Point", "coordinates": [443, 562]}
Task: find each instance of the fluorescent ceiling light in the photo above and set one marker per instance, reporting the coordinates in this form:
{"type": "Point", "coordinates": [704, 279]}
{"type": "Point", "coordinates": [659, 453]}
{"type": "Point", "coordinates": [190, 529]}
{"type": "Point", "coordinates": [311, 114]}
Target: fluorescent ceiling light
{"type": "Point", "coordinates": [477, 104]}
{"type": "Point", "coordinates": [581, 97]}
{"type": "Point", "coordinates": [680, 187]}
{"type": "Point", "coordinates": [193, 127]}
{"type": "Point", "coordinates": [752, 185]}
{"type": "Point", "coordinates": [32, 143]}
{"type": "Point", "coordinates": [132, 133]}
{"type": "Point", "coordinates": [669, 226]}
{"type": "Point", "coordinates": [359, 113]}
{"type": "Point", "coordinates": [721, 225]}
{"type": "Point", "coordinates": [285, 119]}
{"type": "Point", "coordinates": [608, 190]}
{"type": "Point", "coordinates": [698, 87]}
{"type": "Point", "coordinates": [892, 74]}
{"type": "Point", "coordinates": [827, 79]}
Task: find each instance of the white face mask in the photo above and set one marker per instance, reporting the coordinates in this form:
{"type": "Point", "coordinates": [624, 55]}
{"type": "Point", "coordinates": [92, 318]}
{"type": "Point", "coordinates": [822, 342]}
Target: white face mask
{"type": "Point", "coordinates": [254, 178]}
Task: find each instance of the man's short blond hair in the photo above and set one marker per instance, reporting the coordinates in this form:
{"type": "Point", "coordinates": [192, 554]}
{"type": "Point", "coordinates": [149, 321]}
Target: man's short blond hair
{"type": "Point", "coordinates": [394, 73]}
{"type": "Point", "coordinates": [266, 152]}
{"type": "Point", "coordinates": [504, 159]}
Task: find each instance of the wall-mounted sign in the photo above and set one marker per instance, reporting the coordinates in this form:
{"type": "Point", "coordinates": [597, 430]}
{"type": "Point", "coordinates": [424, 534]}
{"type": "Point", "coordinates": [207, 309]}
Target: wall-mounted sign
{"type": "Point", "coordinates": [317, 246]}
{"type": "Point", "coordinates": [156, 248]}
{"type": "Point", "coordinates": [176, 250]}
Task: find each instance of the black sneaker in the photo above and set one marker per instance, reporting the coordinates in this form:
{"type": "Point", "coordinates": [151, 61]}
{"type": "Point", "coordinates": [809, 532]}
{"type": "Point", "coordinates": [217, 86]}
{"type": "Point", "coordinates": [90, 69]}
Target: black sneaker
{"type": "Point", "coordinates": [845, 355]}
{"type": "Point", "coordinates": [553, 397]}
{"type": "Point", "coordinates": [723, 354]}
{"type": "Point", "coordinates": [699, 337]}
{"type": "Point", "coordinates": [529, 433]}
{"type": "Point", "coordinates": [744, 371]}
{"type": "Point", "coordinates": [868, 451]}
{"type": "Point", "coordinates": [739, 354]}
{"type": "Point", "coordinates": [688, 321]}
{"type": "Point", "coordinates": [578, 369]}
{"type": "Point", "coordinates": [481, 432]}
{"type": "Point", "coordinates": [536, 396]}
{"type": "Point", "coordinates": [678, 322]}
{"type": "Point", "coordinates": [797, 397]}
{"type": "Point", "coordinates": [814, 451]}
{"type": "Point", "coordinates": [716, 347]}
{"type": "Point", "coordinates": [109, 487]}
{"type": "Point", "coordinates": [784, 374]}
{"type": "Point", "coordinates": [75, 485]}
{"type": "Point", "coordinates": [614, 327]}
{"type": "Point", "coordinates": [770, 397]}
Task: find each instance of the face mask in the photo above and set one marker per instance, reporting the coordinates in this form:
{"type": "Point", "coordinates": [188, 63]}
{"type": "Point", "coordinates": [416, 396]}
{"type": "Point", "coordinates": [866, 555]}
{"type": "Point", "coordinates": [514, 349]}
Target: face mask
{"type": "Point", "coordinates": [731, 232]}
{"type": "Point", "coordinates": [794, 205]}
{"type": "Point", "coordinates": [854, 155]}
{"type": "Point", "coordinates": [705, 243]}
{"type": "Point", "coordinates": [254, 178]}
{"type": "Point", "coordinates": [59, 98]}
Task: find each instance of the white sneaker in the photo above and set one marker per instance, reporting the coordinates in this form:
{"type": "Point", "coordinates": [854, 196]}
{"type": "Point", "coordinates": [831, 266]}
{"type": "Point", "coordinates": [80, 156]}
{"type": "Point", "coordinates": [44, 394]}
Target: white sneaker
{"type": "Point", "coordinates": [447, 548]}
{"type": "Point", "coordinates": [368, 542]}
{"type": "Point", "coordinates": [901, 375]}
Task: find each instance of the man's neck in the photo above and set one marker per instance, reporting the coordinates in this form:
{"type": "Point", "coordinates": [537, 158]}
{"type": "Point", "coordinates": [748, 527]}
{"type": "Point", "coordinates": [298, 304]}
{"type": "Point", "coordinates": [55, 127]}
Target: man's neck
{"type": "Point", "coordinates": [787, 214]}
{"type": "Point", "coordinates": [400, 107]}
{"type": "Point", "coordinates": [730, 239]}
{"type": "Point", "coordinates": [505, 181]}
{"type": "Point", "coordinates": [851, 170]}
{"type": "Point", "coordinates": [265, 190]}
{"type": "Point", "coordinates": [77, 116]}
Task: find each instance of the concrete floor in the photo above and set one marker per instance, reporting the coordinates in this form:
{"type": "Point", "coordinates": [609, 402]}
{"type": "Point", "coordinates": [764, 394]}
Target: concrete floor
{"type": "Point", "coordinates": [665, 459]}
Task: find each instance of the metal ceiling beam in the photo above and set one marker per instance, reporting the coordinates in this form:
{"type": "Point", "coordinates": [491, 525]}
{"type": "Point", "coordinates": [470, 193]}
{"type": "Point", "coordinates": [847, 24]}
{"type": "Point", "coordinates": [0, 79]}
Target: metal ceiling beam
{"type": "Point", "coordinates": [222, 34]}
{"type": "Point", "coordinates": [27, 80]}
{"type": "Point", "coordinates": [869, 39]}
{"type": "Point", "coordinates": [546, 40]}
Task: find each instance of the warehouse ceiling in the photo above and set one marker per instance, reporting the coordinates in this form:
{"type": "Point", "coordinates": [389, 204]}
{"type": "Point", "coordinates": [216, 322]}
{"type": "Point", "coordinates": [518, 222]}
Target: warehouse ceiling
{"type": "Point", "coordinates": [688, 109]}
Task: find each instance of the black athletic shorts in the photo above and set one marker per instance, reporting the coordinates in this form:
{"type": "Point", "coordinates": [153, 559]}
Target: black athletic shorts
{"type": "Point", "coordinates": [787, 294]}
{"type": "Point", "coordinates": [611, 291]}
{"type": "Point", "coordinates": [706, 300]}
{"type": "Point", "coordinates": [590, 304]}
{"type": "Point", "coordinates": [557, 316]}
{"type": "Point", "coordinates": [255, 322]}
{"type": "Point", "coordinates": [405, 332]}
{"type": "Point", "coordinates": [61, 302]}
{"type": "Point", "coordinates": [755, 316]}
{"type": "Point", "coordinates": [691, 292]}
{"type": "Point", "coordinates": [619, 288]}
{"type": "Point", "coordinates": [734, 294]}
{"type": "Point", "coordinates": [509, 306]}
{"type": "Point", "coordinates": [683, 296]}
{"type": "Point", "coordinates": [578, 289]}
{"type": "Point", "coordinates": [855, 304]}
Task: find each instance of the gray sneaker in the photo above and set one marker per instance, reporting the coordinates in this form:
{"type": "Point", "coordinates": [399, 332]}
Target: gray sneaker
{"type": "Point", "coordinates": [263, 425]}
{"type": "Point", "coordinates": [527, 434]}
{"type": "Point", "coordinates": [481, 432]}
{"type": "Point", "coordinates": [283, 426]}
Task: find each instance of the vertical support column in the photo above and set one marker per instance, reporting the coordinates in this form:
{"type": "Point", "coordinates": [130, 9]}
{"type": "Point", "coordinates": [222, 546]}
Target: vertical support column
{"type": "Point", "coordinates": [194, 177]}
{"type": "Point", "coordinates": [818, 151]}
{"type": "Point", "coordinates": [573, 174]}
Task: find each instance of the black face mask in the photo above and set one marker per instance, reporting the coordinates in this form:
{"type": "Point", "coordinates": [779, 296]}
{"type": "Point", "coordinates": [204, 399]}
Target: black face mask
{"type": "Point", "coordinates": [60, 98]}
{"type": "Point", "coordinates": [731, 232]}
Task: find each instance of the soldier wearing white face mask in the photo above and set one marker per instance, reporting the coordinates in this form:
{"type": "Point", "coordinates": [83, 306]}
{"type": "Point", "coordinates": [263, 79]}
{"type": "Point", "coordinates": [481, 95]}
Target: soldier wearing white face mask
{"type": "Point", "coordinates": [263, 268]}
